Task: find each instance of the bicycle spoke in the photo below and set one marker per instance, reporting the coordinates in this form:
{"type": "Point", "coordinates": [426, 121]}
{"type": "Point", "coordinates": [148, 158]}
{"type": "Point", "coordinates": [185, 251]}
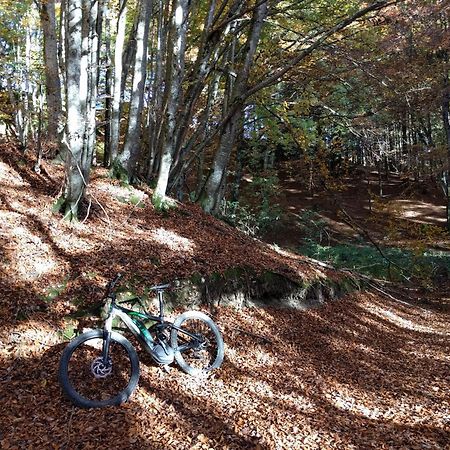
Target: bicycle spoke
{"type": "Point", "coordinates": [92, 378]}
{"type": "Point", "coordinates": [198, 344]}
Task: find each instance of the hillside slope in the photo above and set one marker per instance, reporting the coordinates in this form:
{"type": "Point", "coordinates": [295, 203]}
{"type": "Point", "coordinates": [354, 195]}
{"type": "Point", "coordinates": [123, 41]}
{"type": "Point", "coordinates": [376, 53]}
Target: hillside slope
{"type": "Point", "coordinates": [367, 372]}
{"type": "Point", "coordinates": [119, 231]}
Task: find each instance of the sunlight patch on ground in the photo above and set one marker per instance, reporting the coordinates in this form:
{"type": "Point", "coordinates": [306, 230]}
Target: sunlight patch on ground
{"type": "Point", "coordinates": [396, 319]}
{"type": "Point", "coordinates": [10, 177]}
{"type": "Point", "coordinates": [174, 241]}
{"type": "Point", "coordinates": [244, 361]}
{"type": "Point", "coordinates": [27, 337]}
{"type": "Point", "coordinates": [281, 251]}
{"type": "Point", "coordinates": [121, 193]}
{"type": "Point", "coordinates": [365, 348]}
{"type": "Point", "coordinates": [28, 256]}
{"type": "Point", "coordinates": [74, 238]}
{"type": "Point", "coordinates": [348, 403]}
{"type": "Point", "coordinates": [421, 212]}
{"type": "Point", "coordinates": [263, 357]}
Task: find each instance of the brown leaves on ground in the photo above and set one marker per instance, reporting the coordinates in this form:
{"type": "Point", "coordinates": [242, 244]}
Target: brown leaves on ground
{"type": "Point", "coordinates": [365, 372]}
{"type": "Point", "coordinates": [119, 231]}
{"type": "Point", "coordinates": [361, 373]}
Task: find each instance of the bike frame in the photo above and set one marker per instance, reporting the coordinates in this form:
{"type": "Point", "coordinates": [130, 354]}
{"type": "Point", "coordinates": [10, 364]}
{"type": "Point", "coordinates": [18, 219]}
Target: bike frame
{"type": "Point", "coordinates": [128, 316]}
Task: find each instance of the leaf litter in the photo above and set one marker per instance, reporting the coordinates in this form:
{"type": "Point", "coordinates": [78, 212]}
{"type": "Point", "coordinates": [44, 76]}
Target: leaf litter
{"type": "Point", "coordinates": [359, 373]}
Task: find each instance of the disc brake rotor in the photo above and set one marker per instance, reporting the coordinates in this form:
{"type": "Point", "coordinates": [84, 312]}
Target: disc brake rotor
{"type": "Point", "coordinates": [99, 369]}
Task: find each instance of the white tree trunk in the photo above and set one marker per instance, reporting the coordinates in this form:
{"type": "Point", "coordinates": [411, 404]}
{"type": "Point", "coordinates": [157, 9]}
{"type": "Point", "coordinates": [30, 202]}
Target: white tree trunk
{"type": "Point", "coordinates": [93, 61]}
{"type": "Point", "coordinates": [117, 84]}
{"type": "Point", "coordinates": [76, 109]}
{"type": "Point", "coordinates": [130, 154]}
{"type": "Point", "coordinates": [174, 78]}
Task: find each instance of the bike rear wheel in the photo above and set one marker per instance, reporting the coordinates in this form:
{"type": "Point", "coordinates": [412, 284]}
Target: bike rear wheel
{"type": "Point", "coordinates": [201, 353]}
{"type": "Point", "coordinates": [88, 381]}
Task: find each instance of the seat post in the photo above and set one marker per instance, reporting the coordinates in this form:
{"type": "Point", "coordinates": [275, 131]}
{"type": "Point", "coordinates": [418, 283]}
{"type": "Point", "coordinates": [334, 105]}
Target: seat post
{"type": "Point", "coordinates": [161, 303]}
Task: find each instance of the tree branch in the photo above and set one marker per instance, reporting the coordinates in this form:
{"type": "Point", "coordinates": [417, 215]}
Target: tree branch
{"type": "Point", "coordinates": [269, 80]}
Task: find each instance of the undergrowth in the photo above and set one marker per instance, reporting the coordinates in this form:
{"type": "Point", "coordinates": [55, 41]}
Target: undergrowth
{"type": "Point", "coordinates": [259, 213]}
{"type": "Point", "coordinates": [389, 263]}
{"type": "Point", "coordinates": [366, 259]}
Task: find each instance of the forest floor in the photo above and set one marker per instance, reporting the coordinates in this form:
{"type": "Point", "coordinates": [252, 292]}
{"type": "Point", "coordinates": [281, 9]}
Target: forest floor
{"type": "Point", "coordinates": [399, 211]}
{"type": "Point", "coordinates": [368, 371]}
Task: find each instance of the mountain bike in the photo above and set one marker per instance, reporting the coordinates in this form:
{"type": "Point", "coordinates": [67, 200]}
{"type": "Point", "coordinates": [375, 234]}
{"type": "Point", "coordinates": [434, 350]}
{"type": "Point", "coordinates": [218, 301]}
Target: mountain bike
{"type": "Point", "coordinates": [101, 367]}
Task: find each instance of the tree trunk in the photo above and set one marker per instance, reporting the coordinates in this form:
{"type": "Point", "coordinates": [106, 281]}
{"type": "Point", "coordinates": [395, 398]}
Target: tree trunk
{"type": "Point", "coordinates": [93, 55]}
{"type": "Point", "coordinates": [128, 159]}
{"type": "Point", "coordinates": [52, 82]}
{"type": "Point", "coordinates": [108, 88]}
{"type": "Point", "coordinates": [76, 108]}
{"type": "Point", "coordinates": [446, 122]}
{"type": "Point", "coordinates": [155, 121]}
{"type": "Point", "coordinates": [174, 77]}
{"type": "Point", "coordinates": [207, 57]}
{"type": "Point", "coordinates": [213, 190]}
{"type": "Point", "coordinates": [117, 85]}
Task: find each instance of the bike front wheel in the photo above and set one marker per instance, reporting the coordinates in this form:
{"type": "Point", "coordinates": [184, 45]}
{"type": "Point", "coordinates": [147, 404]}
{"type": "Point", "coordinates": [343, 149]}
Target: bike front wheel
{"type": "Point", "coordinates": [197, 343]}
{"type": "Point", "coordinates": [91, 382]}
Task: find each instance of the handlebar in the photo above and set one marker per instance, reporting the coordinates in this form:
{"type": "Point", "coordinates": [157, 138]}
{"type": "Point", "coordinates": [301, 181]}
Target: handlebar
{"type": "Point", "coordinates": [112, 284]}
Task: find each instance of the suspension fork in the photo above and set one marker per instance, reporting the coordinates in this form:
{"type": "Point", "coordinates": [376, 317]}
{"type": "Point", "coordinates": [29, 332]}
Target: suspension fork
{"type": "Point", "coordinates": [161, 304]}
{"type": "Point", "coordinates": [107, 338]}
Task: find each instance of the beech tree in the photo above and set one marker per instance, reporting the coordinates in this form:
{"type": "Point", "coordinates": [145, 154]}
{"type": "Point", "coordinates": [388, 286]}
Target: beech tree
{"type": "Point", "coordinates": [117, 84]}
{"type": "Point", "coordinates": [174, 77]}
{"type": "Point", "coordinates": [178, 87]}
{"type": "Point", "coordinates": [81, 96]}
{"type": "Point", "coordinates": [128, 158]}
{"type": "Point", "coordinates": [52, 80]}
{"type": "Point", "coordinates": [211, 195]}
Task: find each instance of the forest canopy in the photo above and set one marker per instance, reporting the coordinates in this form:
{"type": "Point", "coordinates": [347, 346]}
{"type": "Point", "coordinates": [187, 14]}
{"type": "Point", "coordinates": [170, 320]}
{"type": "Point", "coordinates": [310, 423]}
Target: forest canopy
{"type": "Point", "coordinates": [187, 96]}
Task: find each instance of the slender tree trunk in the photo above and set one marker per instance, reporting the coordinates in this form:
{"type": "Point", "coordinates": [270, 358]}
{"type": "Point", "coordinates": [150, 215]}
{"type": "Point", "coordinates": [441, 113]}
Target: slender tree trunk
{"type": "Point", "coordinates": [128, 159]}
{"type": "Point", "coordinates": [174, 77]}
{"type": "Point", "coordinates": [76, 108]}
{"type": "Point", "coordinates": [117, 85]}
{"type": "Point", "coordinates": [27, 96]}
{"type": "Point", "coordinates": [212, 192]}
{"type": "Point", "coordinates": [201, 132]}
{"type": "Point", "coordinates": [93, 40]}
{"type": "Point", "coordinates": [108, 88]}
{"type": "Point", "coordinates": [39, 150]}
{"type": "Point", "coordinates": [62, 48]}
{"type": "Point", "coordinates": [159, 100]}
{"type": "Point", "coordinates": [207, 57]}
{"type": "Point", "coordinates": [446, 122]}
{"type": "Point", "coordinates": [52, 81]}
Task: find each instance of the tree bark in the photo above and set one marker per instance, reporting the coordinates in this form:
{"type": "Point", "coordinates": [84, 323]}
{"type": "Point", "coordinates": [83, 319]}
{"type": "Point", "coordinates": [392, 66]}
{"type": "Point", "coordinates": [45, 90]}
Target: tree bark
{"type": "Point", "coordinates": [128, 159]}
{"type": "Point", "coordinates": [52, 81]}
{"type": "Point", "coordinates": [108, 88]}
{"type": "Point", "coordinates": [446, 123]}
{"type": "Point", "coordinates": [155, 110]}
{"type": "Point", "coordinates": [93, 40]}
{"type": "Point", "coordinates": [212, 192]}
{"type": "Point", "coordinates": [117, 85]}
{"type": "Point", "coordinates": [76, 108]}
{"type": "Point", "coordinates": [174, 77]}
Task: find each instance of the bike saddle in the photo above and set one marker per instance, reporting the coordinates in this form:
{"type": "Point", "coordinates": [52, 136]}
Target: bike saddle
{"type": "Point", "coordinates": [160, 287]}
